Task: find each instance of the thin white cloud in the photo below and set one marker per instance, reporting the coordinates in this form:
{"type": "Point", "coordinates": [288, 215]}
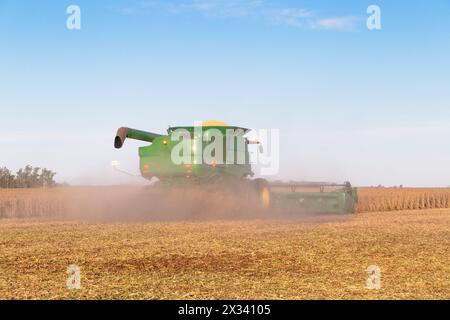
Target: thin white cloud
{"type": "Point", "coordinates": [226, 8]}
{"type": "Point", "coordinates": [265, 10]}
{"type": "Point", "coordinates": [210, 8]}
{"type": "Point", "coordinates": [337, 23]}
{"type": "Point", "coordinates": [294, 17]}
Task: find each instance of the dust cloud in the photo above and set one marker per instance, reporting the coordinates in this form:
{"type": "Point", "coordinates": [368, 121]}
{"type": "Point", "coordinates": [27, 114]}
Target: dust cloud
{"type": "Point", "coordinates": [135, 203]}
{"type": "Point", "coordinates": [140, 204]}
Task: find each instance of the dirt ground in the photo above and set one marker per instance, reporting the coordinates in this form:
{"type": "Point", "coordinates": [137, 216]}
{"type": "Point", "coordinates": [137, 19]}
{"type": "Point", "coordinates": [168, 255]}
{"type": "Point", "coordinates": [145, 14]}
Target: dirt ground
{"type": "Point", "coordinates": [240, 259]}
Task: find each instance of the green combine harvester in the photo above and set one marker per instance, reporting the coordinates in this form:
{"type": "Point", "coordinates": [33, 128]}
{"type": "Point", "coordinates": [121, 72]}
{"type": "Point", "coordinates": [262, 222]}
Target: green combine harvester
{"type": "Point", "coordinates": [157, 160]}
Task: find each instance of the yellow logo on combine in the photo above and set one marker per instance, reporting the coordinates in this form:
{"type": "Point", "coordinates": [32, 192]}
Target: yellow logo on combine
{"type": "Point", "coordinates": [214, 123]}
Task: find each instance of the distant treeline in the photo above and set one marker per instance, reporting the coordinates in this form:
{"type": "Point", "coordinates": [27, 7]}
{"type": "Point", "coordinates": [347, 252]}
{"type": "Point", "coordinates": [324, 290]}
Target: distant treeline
{"type": "Point", "coordinates": [28, 177]}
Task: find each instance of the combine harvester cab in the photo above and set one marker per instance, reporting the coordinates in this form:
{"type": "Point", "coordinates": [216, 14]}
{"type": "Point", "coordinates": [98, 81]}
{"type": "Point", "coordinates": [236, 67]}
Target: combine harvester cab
{"type": "Point", "coordinates": [156, 159]}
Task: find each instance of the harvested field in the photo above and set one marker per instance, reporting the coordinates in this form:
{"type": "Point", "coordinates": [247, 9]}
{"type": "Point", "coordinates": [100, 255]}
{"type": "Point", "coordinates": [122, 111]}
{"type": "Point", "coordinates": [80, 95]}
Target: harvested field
{"type": "Point", "coordinates": [245, 259]}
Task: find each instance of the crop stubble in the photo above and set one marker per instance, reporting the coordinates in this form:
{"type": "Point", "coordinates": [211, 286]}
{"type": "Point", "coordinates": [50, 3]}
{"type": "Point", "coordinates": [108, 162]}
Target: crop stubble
{"type": "Point", "coordinates": [245, 259]}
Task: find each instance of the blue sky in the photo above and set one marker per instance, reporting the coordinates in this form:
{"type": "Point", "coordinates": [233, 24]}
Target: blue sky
{"type": "Point", "coordinates": [372, 107]}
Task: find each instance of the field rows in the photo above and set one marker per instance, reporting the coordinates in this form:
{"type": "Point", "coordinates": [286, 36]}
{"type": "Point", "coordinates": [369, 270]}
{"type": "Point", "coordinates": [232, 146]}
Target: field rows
{"type": "Point", "coordinates": [57, 202]}
{"type": "Point", "coordinates": [20, 203]}
{"type": "Point", "coordinates": [241, 259]}
{"type": "Point", "coordinates": [393, 199]}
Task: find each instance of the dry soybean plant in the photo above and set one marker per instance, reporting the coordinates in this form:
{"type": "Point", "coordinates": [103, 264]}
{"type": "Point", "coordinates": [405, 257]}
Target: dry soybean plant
{"type": "Point", "coordinates": [21, 203]}
{"type": "Point", "coordinates": [393, 199]}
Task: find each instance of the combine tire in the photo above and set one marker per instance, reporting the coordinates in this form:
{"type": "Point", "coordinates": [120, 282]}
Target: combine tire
{"type": "Point", "coordinates": [263, 191]}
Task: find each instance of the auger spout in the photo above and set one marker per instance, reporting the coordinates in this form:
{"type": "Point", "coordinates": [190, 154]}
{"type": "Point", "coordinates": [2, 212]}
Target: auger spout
{"type": "Point", "coordinates": [124, 132]}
